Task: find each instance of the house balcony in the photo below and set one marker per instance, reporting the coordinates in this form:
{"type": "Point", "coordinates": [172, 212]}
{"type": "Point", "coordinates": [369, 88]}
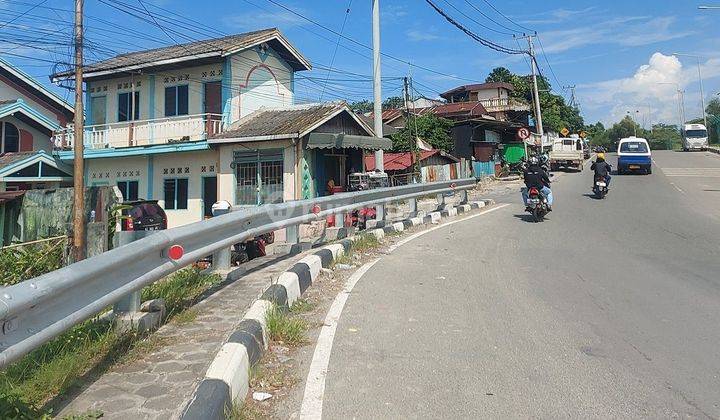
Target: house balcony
{"type": "Point", "coordinates": [504, 105]}
{"type": "Point", "coordinates": [170, 130]}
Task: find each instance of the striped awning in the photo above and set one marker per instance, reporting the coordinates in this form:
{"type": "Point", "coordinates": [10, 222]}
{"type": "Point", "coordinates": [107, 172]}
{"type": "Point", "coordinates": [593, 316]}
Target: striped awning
{"type": "Point", "coordinates": [341, 141]}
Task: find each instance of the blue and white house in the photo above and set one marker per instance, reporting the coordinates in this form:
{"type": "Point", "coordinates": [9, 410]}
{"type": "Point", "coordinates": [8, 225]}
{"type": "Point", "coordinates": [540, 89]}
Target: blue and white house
{"type": "Point", "coordinates": [190, 124]}
{"type": "Point", "coordinates": [29, 116]}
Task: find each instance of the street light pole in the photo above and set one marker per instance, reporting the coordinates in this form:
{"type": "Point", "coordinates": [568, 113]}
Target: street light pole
{"type": "Point", "coordinates": [702, 92]}
{"type": "Point", "coordinates": [377, 83]}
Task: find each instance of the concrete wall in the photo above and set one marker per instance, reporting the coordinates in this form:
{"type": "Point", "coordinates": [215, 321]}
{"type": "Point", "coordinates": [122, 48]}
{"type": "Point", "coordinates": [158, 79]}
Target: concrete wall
{"type": "Point", "coordinates": [41, 141]}
{"type": "Point", "coordinates": [8, 93]}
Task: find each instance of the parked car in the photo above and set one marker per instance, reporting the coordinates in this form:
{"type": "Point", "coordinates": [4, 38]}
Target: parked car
{"type": "Point", "coordinates": [634, 155]}
{"type": "Point", "coordinates": [143, 215]}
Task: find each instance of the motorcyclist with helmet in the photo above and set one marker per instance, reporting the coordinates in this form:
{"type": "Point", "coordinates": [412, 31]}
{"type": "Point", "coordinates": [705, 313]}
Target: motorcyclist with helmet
{"type": "Point", "coordinates": [601, 169]}
{"type": "Point", "coordinates": [535, 176]}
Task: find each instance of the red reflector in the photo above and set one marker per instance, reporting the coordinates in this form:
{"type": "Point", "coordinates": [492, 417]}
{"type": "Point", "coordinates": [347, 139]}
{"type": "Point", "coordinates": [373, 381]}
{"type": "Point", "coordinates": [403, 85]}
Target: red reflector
{"type": "Point", "coordinates": [453, 185]}
{"type": "Point", "coordinates": [316, 209]}
{"type": "Point", "coordinates": [533, 190]}
{"type": "Point", "coordinates": [176, 252]}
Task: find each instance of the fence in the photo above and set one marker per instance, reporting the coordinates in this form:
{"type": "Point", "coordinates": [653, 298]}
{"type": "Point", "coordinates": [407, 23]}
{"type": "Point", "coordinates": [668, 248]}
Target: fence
{"type": "Point", "coordinates": [37, 310]}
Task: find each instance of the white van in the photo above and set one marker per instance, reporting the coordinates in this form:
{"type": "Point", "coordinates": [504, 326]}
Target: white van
{"type": "Point", "coordinates": [634, 155]}
{"type": "Point", "coordinates": [694, 137]}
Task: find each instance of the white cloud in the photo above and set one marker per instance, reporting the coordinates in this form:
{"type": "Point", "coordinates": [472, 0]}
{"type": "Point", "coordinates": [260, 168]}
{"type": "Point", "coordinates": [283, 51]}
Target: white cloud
{"type": "Point", "coordinates": [652, 90]}
{"type": "Point", "coordinates": [264, 19]}
{"type": "Point", "coordinates": [557, 16]}
{"type": "Point", "coordinates": [629, 31]}
{"type": "Point", "coordinates": [418, 36]}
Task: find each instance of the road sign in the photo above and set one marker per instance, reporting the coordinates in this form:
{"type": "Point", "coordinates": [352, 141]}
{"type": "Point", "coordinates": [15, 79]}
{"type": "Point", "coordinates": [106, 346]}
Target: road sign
{"type": "Point", "coordinates": [523, 133]}
{"type": "Point", "coordinates": [583, 134]}
{"type": "Point", "coordinates": [564, 132]}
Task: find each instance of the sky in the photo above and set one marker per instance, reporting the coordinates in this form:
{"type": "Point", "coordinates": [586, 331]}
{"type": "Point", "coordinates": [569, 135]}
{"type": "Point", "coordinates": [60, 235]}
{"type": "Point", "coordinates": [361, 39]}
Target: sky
{"type": "Point", "coordinates": [617, 53]}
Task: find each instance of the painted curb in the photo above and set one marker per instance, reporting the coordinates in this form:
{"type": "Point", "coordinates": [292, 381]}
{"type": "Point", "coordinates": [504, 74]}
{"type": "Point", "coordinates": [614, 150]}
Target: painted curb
{"type": "Point", "coordinates": [227, 378]}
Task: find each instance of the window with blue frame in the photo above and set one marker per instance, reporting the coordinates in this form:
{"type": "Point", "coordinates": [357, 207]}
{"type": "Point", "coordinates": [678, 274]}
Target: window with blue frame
{"type": "Point", "coordinates": [127, 110]}
{"type": "Point", "coordinates": [176, 100]}
{"type": "Point", "coordinates": [176, 193]}
{"type": "Point", "coordinates": [128, 189]}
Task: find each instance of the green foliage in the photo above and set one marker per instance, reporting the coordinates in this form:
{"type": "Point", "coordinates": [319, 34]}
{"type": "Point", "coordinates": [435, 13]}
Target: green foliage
{"type": "Point", "coordinates": [21, 263]}
{"type": "Point", "coordinates": [114, 216]}
{"type": "Point", "coordinates": [13, 407]}
{"type": "Point", "coordinates": [713, 111]}
{"type": "Point", "coordinates": [285, 328]}
{"type": "Point", "coordinates": [660, 137]}
{"type": "Point", "coordinates": [181, 289]}
{"type": "Point", "coordinates": [361, 106]}
{"type": "Point", "coordinates": [431, 128]}
{"type": "Point", "coordinates": [499, 75]}
{"type": "Point", "coordinates": [393, 102]}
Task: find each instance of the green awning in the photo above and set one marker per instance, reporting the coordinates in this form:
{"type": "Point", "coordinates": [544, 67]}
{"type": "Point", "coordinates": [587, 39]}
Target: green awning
{"type": "Point", "coordinates": [340, 141]}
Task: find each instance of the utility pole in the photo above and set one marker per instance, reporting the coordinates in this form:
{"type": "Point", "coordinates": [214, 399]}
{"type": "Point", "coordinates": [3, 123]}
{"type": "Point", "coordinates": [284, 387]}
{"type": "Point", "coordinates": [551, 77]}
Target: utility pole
{"type": "Point", "coordinates": [702, 91]}
{"type": "Point", "coordinates": [413, 144]}
{"type": "Point", "coordinates": [377, 83]}
{"type": "Point", "coordinates": [573, 101]}
{"type": "Point", "coordinates": [536, 94]}
{"type": "Point", "coordinates": [79, 163]}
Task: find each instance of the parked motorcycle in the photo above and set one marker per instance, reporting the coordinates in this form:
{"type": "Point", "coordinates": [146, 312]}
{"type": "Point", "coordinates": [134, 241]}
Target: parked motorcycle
{"type": "Point", "coordinates": [600, 187]}
{"type": "Point", "coordinates": [537, 204]}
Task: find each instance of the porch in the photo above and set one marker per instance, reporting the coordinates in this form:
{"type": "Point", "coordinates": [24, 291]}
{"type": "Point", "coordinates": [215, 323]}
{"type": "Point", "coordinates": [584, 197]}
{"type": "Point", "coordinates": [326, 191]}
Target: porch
{"type": "Point", "coordinates": [167, 130]}
{"type": "Point", "coordinates": [504, 104]}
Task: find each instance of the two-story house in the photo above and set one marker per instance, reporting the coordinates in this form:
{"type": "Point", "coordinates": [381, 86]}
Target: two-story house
{"type": "Point", "coordinates": [29, 115]}
{"type": "Point", "coordinates": [187, 125]}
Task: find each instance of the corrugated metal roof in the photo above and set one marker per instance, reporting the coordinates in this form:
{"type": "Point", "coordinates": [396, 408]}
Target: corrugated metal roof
{"type": "Point", "coordinates": [401, 161]}
{"type": "Point", "coordinates": [285, 122]}
{"type": "Point", "coordinates": [8, 159]}
{"type": "Point", "coordinates": [469, 109]}
{"type": "Point", "coordinates": [220, 46]}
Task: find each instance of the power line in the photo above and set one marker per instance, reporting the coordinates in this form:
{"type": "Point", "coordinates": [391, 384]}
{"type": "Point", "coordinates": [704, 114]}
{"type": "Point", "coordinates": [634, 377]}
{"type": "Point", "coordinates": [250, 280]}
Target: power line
{"type": "Point", "coordinates": [488, 17]}
{"type": "Point", "coordinates": [23, 14]}
{"type": "Point", "coordinates": [542, 50]}
{"type": "Point", "coordinates": [337, 44]}
{"type": "Point", "coordinates": [474, 20]}
{"type": "Point", "coordinates": [508, 19]}
{"type": "Point", "coordinates": [478, 38]}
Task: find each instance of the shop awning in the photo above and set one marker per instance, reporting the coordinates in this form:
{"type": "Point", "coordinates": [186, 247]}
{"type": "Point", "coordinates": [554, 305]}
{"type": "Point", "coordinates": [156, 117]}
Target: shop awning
{"type": "Point", "coordinates": [340, 141]}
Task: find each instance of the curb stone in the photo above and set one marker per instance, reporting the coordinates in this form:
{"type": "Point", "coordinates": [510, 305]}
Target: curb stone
{"type": "Point", "coordinates": [227, 379]}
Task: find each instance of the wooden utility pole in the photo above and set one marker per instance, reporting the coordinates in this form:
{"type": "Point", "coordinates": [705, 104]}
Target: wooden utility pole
{"type": "Point", "coordinates": [414, 152]}
{"type": "Point", "coordinates": [79, 163]}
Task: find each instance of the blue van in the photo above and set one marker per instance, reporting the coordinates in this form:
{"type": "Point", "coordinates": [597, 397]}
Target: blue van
{"type": "Point", "coordinates": [634, 155]}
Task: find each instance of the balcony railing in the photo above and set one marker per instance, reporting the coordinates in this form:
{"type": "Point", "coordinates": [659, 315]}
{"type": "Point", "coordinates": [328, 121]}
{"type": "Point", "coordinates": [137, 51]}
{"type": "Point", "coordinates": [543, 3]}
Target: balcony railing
{"type": "Point", "coordinates": [504, 104]}
{"type": "Point", "coordinates": [178, 129]}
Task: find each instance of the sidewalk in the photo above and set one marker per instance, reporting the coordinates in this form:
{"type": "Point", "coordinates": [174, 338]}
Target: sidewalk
{"type": "Point", "coordinates": [159, 384]}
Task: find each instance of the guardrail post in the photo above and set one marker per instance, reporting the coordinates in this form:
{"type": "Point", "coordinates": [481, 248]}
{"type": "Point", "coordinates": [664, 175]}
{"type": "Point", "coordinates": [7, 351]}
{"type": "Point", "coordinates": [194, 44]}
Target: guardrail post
{"type": "Point", "coordinates": [130, 302]}
{"type": "Point", "coordinates": [463, 197]}
{"type": "Point", "coordinates": [440, 201]}
{"type": "Point", "coordinates": [292, 235]}
{"type": "Point", "coordinates": [221, 259]}
{"type": "Point", "coordinates": [412, 203]}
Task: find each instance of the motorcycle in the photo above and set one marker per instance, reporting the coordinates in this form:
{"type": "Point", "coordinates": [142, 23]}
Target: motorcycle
{"type": "Point", "coordinates": [537, 204]}
{"type": "Point", "coordinates": [600, 187]}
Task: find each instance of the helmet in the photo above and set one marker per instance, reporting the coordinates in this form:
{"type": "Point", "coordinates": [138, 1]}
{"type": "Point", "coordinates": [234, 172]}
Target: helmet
{"type": "Point", "coordinates": [601, 155]}
{"type": "Point", "coordinates": [534, 160]}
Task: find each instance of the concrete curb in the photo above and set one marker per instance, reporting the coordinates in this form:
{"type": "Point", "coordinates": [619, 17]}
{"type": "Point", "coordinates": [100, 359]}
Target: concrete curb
{"type": "Point", "coordinates": [228, 376]}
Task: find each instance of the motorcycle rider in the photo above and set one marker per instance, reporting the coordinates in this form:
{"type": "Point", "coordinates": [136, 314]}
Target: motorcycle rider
{"type": "Point", "coordinates": [535, 176]}
{"type": "Point", "coordinates": [602, 169]}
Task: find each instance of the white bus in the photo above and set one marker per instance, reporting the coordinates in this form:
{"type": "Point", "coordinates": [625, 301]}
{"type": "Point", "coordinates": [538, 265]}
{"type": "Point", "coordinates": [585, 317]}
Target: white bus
{"type": "Point", "coordinates": [694, 137]}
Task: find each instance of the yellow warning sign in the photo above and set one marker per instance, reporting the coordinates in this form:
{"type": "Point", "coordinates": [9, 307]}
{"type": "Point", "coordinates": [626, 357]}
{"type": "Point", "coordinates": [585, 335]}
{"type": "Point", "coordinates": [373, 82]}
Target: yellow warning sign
{"type": "Point", "coordinates": [564, 132]}
{"type": "Point", "coordinates": [583, 134]}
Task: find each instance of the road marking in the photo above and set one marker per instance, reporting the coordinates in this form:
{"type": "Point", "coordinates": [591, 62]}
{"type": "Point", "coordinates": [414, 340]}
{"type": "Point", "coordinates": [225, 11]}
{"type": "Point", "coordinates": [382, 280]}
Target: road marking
{"type": "Point", "coordinates": [402, 242]}
{"type": "Point", "coordinates": [677, 188]}
{"type": "Point", "coordinates": [692, 172]}
{"type": "Point", "coordinates": [312, 403]}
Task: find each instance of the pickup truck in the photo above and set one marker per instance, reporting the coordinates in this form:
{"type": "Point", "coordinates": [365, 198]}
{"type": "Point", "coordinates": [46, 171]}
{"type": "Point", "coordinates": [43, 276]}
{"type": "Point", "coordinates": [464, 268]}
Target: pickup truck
{"type": "Point", "coordinates": [567, 152]}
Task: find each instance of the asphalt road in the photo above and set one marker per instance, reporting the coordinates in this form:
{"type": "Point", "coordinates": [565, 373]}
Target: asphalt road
{"type": "Point", "coordinates": [608, 309]}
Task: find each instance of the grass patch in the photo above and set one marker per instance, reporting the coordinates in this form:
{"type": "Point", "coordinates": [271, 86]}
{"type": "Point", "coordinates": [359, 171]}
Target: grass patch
{"type": "Point", "coordinates": [365, 242]}
{"type": "Point", "coordinates": [185, 317]}
{"type": "Point", "coordinates": [89, 348]}
{"type": "Point", "coordinates": [302, 306]}
{"type": "Point", "coordinates": [345, 258]}
{"type": "Point", "coordinates": [244, 411]}
{"type": "Point", "coordinates": [284, 328]}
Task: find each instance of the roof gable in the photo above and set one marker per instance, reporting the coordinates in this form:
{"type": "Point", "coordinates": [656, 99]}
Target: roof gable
{"type": "Point", "coordinates": [204, 49]}
{"type": "Point", "coordinates": [20, 106]}
{"type": "Point", "coordinates": [34, 86]}
{"type": "Point", "coordinates": [14, 165]}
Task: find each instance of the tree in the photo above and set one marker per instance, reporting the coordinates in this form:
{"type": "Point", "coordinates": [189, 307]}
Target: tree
{"type": "Point", "coordinates": [361, 107]}
{"type": "Point", "coordinates": [431, 128]}
{"type": "Point", "coordinates": [500, 74]}
{"type": "Point", "coordinates": [664, 137]}
{"type": "Point", "coordinates": [713, 111]}
{"type": "Point", "coordinates": [393, 102]}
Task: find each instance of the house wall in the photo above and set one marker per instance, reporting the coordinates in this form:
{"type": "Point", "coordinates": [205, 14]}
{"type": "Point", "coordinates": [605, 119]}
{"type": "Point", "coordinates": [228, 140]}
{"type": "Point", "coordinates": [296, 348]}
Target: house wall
{"type": "Point", "coordinates": [10, 93]}
{"type": "Point", "coordinates": [258, 78]}
{"type": "Point", "coordinates": [152, 90]}
{"type": "Point", "coordinates": [489, 94]}
{"type": "Point", "coordinates": [108, 171]}
{"type": "Point", "coordinates": [41, 141]}
{"type": "Point", "coordinates": [227, 179]}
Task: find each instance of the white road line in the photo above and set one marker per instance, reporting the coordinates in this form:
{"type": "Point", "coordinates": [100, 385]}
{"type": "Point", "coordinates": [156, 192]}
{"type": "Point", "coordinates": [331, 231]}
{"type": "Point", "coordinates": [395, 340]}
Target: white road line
{"type": "Point", "coordinates": [421, 233]}
{"type": "Point", "coordinates": [312, 403]}
{"type": "Point", "coordinates": [677, 188]}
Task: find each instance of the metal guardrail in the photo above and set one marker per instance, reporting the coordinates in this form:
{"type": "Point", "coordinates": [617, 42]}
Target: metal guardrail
{"type": "Point", "coordinates": [37, 310]}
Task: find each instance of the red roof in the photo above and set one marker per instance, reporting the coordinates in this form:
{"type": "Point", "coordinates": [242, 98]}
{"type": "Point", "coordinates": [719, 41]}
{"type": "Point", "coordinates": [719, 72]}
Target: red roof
{"type": "Point", "coordinates": [470, 109]}
{"type": "Point", "coordinates": [10, 195]}
{"type": "Point", "coordinates": [401, 161]}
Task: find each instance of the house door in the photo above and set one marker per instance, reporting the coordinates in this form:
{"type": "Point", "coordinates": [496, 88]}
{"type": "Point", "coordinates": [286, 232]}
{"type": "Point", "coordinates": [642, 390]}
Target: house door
{"type": "Point", "coordinates": [209, 191]}
{"type": "Point", "coordinates": [98, 109]}
{"type": "Point", "coordinates": [212, 104]}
